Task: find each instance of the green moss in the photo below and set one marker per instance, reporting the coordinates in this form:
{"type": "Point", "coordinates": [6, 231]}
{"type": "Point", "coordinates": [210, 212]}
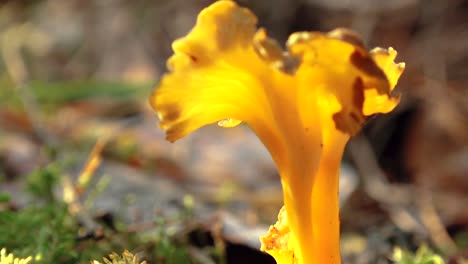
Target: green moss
{"type": "Point", "coordinates": [47, 230]}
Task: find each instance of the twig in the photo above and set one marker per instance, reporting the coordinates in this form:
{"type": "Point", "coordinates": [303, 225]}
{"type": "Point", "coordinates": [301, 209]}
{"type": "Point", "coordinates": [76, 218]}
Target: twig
{"type": "Point", "coordinates": [433, 223]}
{"type": "Point", "coordinates": [376, 184]}
{"type": "Point", "coordinates": [12, 42]}
{"type": "Point", "coordinates": [410, 208]}
{"type": "Point", "coordinates": [396, 199]}
{"type": "Point", "coordinates": [200, 255]}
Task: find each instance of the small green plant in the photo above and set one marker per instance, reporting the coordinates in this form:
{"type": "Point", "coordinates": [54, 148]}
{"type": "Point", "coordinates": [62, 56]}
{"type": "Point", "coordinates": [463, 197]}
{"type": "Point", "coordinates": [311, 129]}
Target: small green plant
{"type": "Point", "coordinates": [424, 255]}
{"type": "Point", "coordinates": [45, 228]}
{"type": "Point", "coordinates": [166, 249]}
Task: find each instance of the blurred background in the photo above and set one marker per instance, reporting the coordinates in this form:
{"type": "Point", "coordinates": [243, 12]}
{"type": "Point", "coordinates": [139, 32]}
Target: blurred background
{"type": "Point", "coordinates": [75, 124]}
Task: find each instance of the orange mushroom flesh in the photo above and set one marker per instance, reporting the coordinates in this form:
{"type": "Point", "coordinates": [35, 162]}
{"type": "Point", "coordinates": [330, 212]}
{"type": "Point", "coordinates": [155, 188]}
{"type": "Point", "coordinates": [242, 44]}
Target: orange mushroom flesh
{"type": "Point", "coordinates": [304, 103]}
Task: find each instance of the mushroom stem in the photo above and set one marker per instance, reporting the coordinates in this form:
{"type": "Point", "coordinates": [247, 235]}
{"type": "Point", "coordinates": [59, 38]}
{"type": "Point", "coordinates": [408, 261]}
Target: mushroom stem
{"type": "Point", "coordinates": [299, 211]}
{"type": "Point", "coordinates": [325, 204]}
{"type": "Point", "coordinates": [312, 207]}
